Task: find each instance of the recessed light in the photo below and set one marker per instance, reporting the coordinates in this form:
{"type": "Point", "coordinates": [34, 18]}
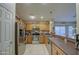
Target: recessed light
{"type": "Point", "coordinates": [32, 17]}
{"type": "Point", "coordinates": [41, 17]}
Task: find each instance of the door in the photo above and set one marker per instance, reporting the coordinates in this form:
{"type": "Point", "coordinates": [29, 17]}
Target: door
{"type": "Point", "coordinates": [6, 28]}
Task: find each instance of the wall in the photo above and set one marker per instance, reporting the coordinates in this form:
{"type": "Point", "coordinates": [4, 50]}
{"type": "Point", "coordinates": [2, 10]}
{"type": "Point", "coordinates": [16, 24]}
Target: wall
{"type": "Point", "coordinates": [77, 18]}
{"type": "Point", "coordinates": [65, 23]}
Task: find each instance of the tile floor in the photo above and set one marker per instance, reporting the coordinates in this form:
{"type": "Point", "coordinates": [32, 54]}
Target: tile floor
{"type": "Point", "coordinates": [36, 49]}
{"type": "Point", "coordinates": [35, 42]}
{"type": "Point", "coordinates": [21, 48]}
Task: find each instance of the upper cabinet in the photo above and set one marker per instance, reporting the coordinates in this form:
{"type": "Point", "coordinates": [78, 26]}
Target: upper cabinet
{"type": "Point", "coordinates": [28, 26]}
{"type": "Point", "coordinates": [43, 26]}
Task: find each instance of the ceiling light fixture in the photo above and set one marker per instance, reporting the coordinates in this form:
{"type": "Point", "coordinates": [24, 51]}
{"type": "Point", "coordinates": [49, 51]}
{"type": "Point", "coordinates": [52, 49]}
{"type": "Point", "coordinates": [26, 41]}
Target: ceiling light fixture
{"type": "Point", "coordinates": [32, 17]}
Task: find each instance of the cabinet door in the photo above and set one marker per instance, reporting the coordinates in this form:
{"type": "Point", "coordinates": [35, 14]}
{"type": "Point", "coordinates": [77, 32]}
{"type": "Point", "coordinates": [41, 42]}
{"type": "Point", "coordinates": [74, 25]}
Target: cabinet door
{"type": "Point", "coordinates": [54, 50]}
{"type": "Point", "coordinates": [60, 52]}
{"type": "Point", "coordinates": [29, 39]}
{"type": "Point", "coordinates": [41, 39]}
{"type": "Point", "coordinates": [46, 39]}
{"type": "Point", "coordinates": [29, 26]}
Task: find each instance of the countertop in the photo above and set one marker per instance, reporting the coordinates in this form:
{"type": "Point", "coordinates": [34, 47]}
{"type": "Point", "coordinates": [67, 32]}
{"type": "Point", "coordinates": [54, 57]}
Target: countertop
{"type": "Point", "coordinates": [65, 47]}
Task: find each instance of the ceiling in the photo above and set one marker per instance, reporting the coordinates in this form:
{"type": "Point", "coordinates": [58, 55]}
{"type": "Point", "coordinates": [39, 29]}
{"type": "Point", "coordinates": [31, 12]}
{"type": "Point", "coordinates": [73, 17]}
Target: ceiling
{"type": "Point", "coordinates": [50, 11]}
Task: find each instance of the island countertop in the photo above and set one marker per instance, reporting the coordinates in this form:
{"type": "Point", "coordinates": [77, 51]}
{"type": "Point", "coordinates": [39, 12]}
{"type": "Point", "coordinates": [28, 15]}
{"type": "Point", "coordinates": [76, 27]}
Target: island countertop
{"type": "Point", "coordinates": [68, 49]}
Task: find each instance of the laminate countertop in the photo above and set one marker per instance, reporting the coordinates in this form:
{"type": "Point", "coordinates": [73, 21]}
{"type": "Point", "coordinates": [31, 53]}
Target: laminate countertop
{"type": "Point", "coordinates": [67, 48]}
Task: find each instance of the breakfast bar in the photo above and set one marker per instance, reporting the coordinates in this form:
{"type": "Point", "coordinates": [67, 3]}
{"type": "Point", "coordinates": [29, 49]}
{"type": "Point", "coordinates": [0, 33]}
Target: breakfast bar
{"type": "Point", "coordinates": [60, 47]}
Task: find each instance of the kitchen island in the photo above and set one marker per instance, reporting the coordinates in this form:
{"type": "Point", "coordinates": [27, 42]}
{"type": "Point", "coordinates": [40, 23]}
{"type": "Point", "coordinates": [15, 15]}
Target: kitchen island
{"type": "Point", "coordinates": [60, 47]}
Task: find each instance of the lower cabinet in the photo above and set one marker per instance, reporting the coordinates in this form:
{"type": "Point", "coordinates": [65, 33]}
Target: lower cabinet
{"type": "Point", "coordinates": [56, 51]}
{"type": "Point", "coordinates": [29, 39]}
{"type": "Point", "coordinates": [43, 39]}
{"type": "Point", "coordinates": [60, 52]}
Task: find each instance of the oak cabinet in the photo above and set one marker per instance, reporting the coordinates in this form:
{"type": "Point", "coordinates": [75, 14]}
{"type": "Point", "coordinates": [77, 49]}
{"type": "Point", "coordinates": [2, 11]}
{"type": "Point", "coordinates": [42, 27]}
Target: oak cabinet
{"type": "Point", "coordinates": [28, 26]}
{"type": "Point", "coordinates": [43, 26]}
{"type": "Point", "coordinates": [43, 39]}
{"type": "Point", "coordinates": [29, 39]}
{"type": "Point", "coordinates": [56, 50]}
{"type": "Point", "coordinates": [60, 52]}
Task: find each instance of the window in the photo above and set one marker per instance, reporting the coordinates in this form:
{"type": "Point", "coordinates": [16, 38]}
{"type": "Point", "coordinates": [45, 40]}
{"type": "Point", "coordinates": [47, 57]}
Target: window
{"type": "Point", "coordinates": [71, 31]}
{"type": "Point", "coordinates": [68, 31]}
{"type": "Point", "coordinates": [60, 30]}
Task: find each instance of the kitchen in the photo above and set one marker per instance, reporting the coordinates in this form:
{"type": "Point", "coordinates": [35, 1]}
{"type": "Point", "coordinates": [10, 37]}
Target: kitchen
{"type": "Point", "coordinates": [41, 30]}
